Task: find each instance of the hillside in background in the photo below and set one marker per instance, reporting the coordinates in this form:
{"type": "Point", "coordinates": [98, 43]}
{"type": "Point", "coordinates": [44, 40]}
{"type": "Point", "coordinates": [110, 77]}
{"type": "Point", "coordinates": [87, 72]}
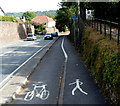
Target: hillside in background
{"type": "Point", "coordinates": [40, 13]}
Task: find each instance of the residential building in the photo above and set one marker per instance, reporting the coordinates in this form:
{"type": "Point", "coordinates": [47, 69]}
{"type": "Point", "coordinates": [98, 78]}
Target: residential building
{"type": "Point", "coordinates": [89, 14]}
{"type": "Point", "coordinates": [49, 22]}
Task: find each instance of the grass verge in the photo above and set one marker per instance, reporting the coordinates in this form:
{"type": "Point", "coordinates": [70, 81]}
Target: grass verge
{"type": "Point", "coordinates": [102, 57]}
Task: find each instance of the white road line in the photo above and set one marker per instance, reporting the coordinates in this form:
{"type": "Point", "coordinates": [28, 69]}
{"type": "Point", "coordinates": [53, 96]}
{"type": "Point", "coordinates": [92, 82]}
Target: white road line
{"type": "Point", "coordinates": [63, 79]}
{"type": "Point", "coordinates": [9, 76]}
{"type": "Point", "coordinates": [65, 54]}
{"type": "Point", "coordinates": [6, 53]}
{"type": "Point", "coordinates": [2, 54]}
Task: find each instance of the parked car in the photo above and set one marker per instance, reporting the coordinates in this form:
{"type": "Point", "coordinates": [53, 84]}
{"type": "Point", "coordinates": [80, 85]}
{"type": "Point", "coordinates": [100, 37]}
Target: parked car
{"type": "Point", "coordinates": [48, 36]}
{"type": "Point", "coordinates": [31, 37]}
{"type": "Point", "coordinates": [54, 34]}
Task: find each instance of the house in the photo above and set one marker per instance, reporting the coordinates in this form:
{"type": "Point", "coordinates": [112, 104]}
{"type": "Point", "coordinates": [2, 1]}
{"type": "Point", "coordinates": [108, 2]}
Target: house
{"type": "Point", "coordinates": [49, 22]}
{"type": "Point", "coordinates": [2, 13]}
{"type": "Point", "coordinates": [89, 14]}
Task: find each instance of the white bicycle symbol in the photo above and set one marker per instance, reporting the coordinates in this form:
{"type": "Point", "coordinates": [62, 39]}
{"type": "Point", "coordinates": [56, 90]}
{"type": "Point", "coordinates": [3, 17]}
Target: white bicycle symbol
{"type": "Point", "coordinates": [42, 94]}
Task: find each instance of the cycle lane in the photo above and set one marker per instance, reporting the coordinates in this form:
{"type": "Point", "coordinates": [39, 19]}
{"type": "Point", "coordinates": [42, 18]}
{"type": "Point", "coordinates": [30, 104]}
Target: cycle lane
{"type": "Point", "coordinates": [79, 87]}
{"type": "Point", "coordinates": [48, 72]}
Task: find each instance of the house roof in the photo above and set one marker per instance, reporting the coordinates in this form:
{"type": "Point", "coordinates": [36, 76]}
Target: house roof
{"type": "Point", "coordinates": [42, 19]}
{"type": "Point", "coordinates": [20, 21]}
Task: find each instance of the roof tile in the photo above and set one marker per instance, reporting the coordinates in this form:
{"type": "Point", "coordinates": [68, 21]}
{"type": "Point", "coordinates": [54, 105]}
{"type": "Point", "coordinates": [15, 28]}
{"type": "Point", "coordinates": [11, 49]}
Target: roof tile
{"type": "Point", "coordinates": [42, 19]}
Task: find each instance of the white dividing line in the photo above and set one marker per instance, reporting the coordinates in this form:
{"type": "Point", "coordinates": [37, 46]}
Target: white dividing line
{"type": "Point", "coordinates": [9, 76]}
{"type": "Point", "coordinates": [6, 53]}
{"type": "Point", "coordinates": [2, 54]}
{"type": "Point", "coordinates": [65, 54]}
{"type": "Point", "coordinates": [60, 101]}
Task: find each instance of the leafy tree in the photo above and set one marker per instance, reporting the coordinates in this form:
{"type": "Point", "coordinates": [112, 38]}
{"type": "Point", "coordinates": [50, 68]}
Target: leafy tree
{"type": "Point", "coordinates": [29, 15]}
{"type": "Point", "coordinates": [38, 27]}
{"type": "Point", "coordinates": [105, 10]}
{"type": "Point", "coordinates": [8, 18]}
{"type": "Point", "coordinates": [63, 16]}
{"type": "Point", "coordinates": [50, 15]}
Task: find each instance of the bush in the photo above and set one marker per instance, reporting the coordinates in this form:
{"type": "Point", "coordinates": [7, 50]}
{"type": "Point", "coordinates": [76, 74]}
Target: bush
{"type": "Point", "coordinates": [38, 27]}
{"type": "Point", "coordinates": [102, 57]}
{"type": "Point", "coordinates": [8, 18]}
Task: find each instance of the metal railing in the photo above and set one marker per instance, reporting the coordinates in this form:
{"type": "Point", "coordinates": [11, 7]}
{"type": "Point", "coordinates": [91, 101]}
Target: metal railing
{"type": "Point", "coordinates": [106, 27]}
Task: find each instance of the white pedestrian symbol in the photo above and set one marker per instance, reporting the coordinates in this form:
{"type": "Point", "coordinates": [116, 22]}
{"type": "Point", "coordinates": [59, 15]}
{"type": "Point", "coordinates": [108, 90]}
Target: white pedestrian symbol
{"type": "Point", "coordinates": [78, 83]}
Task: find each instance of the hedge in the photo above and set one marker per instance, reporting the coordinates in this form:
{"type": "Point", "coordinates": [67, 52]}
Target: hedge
{"type": "Point", "coordinates": [8, 18]}
{"type": "Point", "coordinates": [102, 57]}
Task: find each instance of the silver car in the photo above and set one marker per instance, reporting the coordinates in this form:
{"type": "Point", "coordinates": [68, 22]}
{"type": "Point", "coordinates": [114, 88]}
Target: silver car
{"type": "Point", "coordinates": [31, 37]}
{"type": "Point", "coordinates": [48, 36]}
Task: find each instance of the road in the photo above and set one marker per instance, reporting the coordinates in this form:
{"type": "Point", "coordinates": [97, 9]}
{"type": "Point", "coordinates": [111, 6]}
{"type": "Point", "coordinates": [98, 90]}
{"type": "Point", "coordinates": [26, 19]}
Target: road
{"type": "Point", "coordinates": [15, 54]}
{"type": "Point", "coordinates": [60, 67]}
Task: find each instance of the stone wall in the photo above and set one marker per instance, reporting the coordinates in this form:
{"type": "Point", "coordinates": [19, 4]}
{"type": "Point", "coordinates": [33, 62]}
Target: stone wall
{"type": "Point", "coordinates": [50, 30]}
{"type": "Point", "coordinates": [10, 31]}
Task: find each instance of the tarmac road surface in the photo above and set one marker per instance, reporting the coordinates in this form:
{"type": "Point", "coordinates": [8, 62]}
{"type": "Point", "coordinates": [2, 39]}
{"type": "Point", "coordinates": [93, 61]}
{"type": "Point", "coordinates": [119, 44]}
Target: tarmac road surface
{"type": "Point", "coordinates": [77, 87]}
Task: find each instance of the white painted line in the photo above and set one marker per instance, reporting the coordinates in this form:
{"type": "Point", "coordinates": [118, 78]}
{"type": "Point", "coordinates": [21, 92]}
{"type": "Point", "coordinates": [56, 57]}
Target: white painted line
{"type": "Point", "coordinates": [63, 80]}
{"type": "Point", "coordinates": [9, 76]}
{"type": "Point", "coordinates": [6, 53]}
{"type": "Point", "coordinates": [30, 43]}
{"type": "Point", "coordinates": [65, 54]}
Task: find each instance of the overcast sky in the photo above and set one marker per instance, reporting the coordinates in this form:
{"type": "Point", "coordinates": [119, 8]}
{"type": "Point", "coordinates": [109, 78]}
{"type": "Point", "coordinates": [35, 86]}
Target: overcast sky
{"type": "Point", "coordinates": [28, 5]}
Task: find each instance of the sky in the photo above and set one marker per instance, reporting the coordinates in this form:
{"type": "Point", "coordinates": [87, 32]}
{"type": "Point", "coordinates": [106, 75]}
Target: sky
{"type": "Point", "coordinates": [29, 5]}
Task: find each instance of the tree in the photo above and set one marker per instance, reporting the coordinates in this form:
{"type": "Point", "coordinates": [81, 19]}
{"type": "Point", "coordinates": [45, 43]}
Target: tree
{"type": "Point", "coordinates": [38, 27]}
{"type": "Point", "coordinates": [63, 16]}
{"type": "Point", "coordinates": [50, 15]}
{"type": "Point", "coordinates": [29, 15]}
{"type": "Point", "coordinates": [106, 10]}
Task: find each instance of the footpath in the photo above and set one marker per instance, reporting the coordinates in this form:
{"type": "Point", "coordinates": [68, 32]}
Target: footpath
{"type": "Point", "coordinates": [78, 85]}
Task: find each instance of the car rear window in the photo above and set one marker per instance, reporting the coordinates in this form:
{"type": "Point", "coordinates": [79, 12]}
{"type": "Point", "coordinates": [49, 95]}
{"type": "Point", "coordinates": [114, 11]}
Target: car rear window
{"type": "Point", "coordinates": [48, 34]}
{"type": "Point", "coordinates": [30, 35]}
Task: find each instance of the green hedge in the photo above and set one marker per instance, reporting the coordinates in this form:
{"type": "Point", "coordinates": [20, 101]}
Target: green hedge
{"type": "Point", "coordinates": [102, 57]}
{"type": "Point", "coordinates": [8, 18]}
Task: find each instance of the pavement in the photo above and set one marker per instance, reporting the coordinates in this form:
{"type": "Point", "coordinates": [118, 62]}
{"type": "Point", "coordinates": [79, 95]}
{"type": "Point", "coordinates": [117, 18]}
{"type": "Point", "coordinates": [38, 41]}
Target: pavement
{"type": "Point", "coordinates": [17, 82]}
{"type": "Point", "coordinates": [79, 87]}
{"type": "Point", "coordinates": [65, 76]}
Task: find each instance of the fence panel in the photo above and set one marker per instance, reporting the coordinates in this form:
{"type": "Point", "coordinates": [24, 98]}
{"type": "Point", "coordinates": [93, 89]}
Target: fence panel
{"type": "Point", "coordinates": [107, 28]}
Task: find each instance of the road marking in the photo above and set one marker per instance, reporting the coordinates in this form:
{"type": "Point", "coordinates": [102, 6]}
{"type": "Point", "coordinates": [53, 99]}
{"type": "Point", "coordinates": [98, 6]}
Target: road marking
{"type": "Point", "coordinates": [78, 83]}
{"type": "Point", "coordinates": [6, 53]}
{"type": "Point", "coordinates": [43, 93]}
{"type": "Point", "coordinates": [12, 51]}
{"type": "Point", "coordinates": [65, 54]}
{"type": "Point", "coordinates": [61, 94]}
{"type": "Point", "coordinates": [9, 76]}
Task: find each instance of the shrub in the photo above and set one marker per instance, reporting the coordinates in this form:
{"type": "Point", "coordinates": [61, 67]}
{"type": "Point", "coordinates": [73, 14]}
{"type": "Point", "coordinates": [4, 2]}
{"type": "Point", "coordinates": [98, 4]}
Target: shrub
{"type": "Point", "coordinates": [102, 57]}
{"type": "Point", "coordinates": [8, 18]}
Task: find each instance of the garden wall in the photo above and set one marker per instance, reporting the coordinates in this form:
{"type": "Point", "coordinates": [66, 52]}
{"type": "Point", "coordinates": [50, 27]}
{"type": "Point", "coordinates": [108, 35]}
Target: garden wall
{"type": "Point", "coordinates": [11, 31]}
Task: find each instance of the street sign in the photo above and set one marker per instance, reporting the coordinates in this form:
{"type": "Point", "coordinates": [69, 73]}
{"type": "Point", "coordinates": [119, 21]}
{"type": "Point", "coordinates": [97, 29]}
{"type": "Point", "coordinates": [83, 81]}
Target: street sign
{"type": "Point", "coordinates": [74, 17]}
